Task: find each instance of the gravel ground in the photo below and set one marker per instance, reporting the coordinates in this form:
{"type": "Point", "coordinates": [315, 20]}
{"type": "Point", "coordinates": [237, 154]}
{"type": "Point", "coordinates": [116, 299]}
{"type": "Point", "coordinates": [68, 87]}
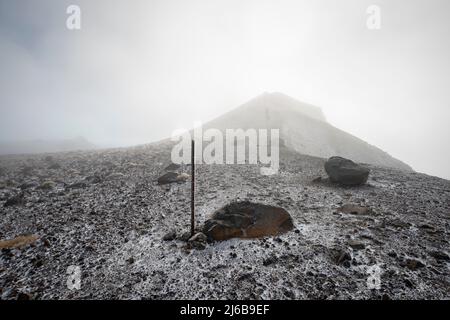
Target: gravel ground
{"type": "Point", "coordinates": [103, 212]}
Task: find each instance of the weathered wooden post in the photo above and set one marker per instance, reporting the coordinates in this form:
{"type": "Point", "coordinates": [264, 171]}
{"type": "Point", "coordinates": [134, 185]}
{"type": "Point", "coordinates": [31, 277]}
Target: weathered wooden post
{"type": "Point", "coordinates": [192, 187]}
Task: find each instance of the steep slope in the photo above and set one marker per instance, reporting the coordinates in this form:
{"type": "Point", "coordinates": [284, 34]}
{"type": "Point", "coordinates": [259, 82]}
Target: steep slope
{"type": "Point", "coordinates": [303, 128]}
{"type": "Point", "coordinates": [112, 227]}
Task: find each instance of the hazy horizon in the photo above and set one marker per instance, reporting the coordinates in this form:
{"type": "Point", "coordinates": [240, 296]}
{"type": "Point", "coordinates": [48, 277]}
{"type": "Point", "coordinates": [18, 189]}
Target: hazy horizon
{"type": "Point", "coordinates": [136, 71]}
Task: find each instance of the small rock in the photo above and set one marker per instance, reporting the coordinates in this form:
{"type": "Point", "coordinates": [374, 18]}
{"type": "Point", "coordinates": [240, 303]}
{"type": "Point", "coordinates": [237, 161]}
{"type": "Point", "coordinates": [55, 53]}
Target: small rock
{"type": "Point", "coordinates": [340, 255]}
{"type": "Point", "coordinates": [409, 283]}
{"type": "Point", "coordinates": [6, 252]}
{"type": "Point", "coordinates": [185, 236]}
{"type": "Point", "coordinates": [244, 276]}
{"type": "Point", "coordinates": [439, 255]}
{"type": "Point", "coordinates": [37, 262]}
{"type": "Point", "coordinates": [54, 166]}
{"type": "Point", "coordinates": [47, 185]}
{"type": "Point", "coordinates": [397, 223]}
{"type": "Point", "coordinates": [270, 260]}
{"type": "Point", "coordinates": [356, 245]}
{"type": "Point", "coordinates": [26, 170]}
{"type": "Point", "coordinates": [317, 180]}
{"type": "Point", "coordinates": [93, 179]}
{"type": "Point", "coordinates": [28, 185]}
{"type": "Point", "coordinates": [200, 236]}
{"type": "Point", "coordinates": [289, 294]}
{"type": "Point", "coordinates": [198, 241]}
{"type": "Point", "coordinates": [412, 264]}
{"type": "Point", "coordinates": [354, 209]}
{"type": "Point", "coordinates": [15, 200]}
{"type": "Point", "coordinates": [183, 177]}
{"type": "Point", "coordinates": [77, 185]}
{"type": "Point", "coordinates": [169, 236]}
{"type": "Point", "coordinates": [116, 176]}
{"type": "Point", "coordinates": [172, 177]}
{"type": "Point", "coordinates": [426, 227]}
{"type": "Point", "coordinates": [392, 254]}
{"type": "Point", "coordinates": [23, 296]}
{"type": "Point", "coordinates": [7, 294]}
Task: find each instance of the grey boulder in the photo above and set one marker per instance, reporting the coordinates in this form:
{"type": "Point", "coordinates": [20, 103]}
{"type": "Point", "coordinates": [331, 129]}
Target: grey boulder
{"type": "Point", "coordinates": [346, 172]}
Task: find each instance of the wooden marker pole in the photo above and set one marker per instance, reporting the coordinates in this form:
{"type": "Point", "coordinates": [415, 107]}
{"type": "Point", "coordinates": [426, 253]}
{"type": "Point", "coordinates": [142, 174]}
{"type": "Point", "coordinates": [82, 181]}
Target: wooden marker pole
{"type": "Point", "coordinates": [192, 187]}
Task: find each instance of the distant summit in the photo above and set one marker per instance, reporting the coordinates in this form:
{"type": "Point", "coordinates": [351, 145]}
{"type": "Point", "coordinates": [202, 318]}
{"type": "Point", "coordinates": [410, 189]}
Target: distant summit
{"type": "Point", "coordinates": [303, 128]}
{"type": "Point", "coordinates": [281, 102]}
{"type": "Point", "coordinates": [44, 146]}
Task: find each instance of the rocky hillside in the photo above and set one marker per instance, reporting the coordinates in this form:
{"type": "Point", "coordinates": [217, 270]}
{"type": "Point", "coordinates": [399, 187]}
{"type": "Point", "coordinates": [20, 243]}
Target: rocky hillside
{"type": "Point", "coordinates": [104, 212]}
{"type": "Point", "coordinates": [303, 128]}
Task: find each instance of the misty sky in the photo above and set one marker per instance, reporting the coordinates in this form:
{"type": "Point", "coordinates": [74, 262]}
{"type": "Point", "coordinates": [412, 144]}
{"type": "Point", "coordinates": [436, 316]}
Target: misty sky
{"type": "Point", "coordinates": [137, 70]}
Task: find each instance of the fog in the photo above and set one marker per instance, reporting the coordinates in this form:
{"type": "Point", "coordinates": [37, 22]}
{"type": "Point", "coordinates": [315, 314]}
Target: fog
{"type": "Point", "coordinates": [137, 70]}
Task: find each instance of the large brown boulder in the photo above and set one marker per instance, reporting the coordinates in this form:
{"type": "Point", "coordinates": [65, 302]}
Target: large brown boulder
{"type": "Point", "coordinates": [346, 172]}
{"type": "Point", "coordinates": [247, 220]}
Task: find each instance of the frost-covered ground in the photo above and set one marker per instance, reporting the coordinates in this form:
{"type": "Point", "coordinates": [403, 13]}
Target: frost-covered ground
{"type": "Point", "coordinates": [104, 212]}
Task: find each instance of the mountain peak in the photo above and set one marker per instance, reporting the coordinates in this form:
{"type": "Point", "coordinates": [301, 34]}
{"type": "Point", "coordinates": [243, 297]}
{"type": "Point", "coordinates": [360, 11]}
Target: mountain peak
{"type": "Point", "coordinates": [303, 128]}
{"type": "Point", "coordinates": [280, 102]}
